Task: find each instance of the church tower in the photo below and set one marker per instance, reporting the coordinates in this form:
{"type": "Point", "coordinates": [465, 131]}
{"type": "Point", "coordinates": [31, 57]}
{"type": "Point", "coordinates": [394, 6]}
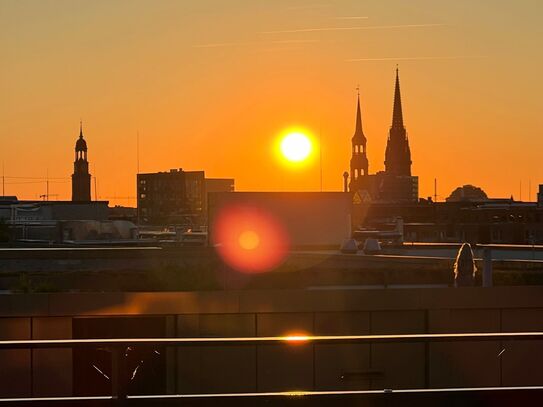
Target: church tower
{"type": "Point", "coordinates": [359, 159]}
{"type": "Point", "coordinates": [398, 154]}
{"type": "Point", "coordinates": [81, 179]}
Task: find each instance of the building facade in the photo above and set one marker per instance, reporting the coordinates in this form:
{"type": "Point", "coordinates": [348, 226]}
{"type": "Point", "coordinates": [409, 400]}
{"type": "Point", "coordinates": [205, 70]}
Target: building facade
{"type": "Point", "coordinates": [496, 221]}
{"type": "Point", "coordinates": [176, 197]}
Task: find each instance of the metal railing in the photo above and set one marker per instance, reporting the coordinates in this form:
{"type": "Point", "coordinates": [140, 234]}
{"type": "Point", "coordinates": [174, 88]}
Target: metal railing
{"type": "Point", "coordinates": [119, 346]}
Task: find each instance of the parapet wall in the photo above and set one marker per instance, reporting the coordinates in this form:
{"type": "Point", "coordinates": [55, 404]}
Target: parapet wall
{"type": "Point", "coordinates": [287, 367]}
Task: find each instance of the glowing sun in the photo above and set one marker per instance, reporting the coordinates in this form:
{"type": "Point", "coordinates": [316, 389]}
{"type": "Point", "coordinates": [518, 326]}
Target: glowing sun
{"type": "Point", "coordinates": [296, 146]}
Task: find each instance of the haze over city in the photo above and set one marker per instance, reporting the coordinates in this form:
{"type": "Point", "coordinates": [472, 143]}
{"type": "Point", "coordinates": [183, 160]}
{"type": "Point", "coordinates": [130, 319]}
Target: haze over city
{"type": "Point", "coordinates": [212, 84]}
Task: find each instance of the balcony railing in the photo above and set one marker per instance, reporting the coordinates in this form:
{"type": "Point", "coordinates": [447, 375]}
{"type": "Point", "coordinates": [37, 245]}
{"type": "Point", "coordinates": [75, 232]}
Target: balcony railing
{"type": "Point", "coordinates": [119, 395]}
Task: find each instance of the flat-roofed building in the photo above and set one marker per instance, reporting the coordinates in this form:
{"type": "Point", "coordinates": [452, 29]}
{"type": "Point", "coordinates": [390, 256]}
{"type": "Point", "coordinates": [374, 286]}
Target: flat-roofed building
{"type": "Point", "coordinates": [177, 197]}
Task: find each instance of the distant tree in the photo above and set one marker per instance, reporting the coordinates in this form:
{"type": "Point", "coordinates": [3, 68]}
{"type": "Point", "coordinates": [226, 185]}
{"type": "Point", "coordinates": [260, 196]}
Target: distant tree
{"type": "Point", "coordinates": [467, 193]}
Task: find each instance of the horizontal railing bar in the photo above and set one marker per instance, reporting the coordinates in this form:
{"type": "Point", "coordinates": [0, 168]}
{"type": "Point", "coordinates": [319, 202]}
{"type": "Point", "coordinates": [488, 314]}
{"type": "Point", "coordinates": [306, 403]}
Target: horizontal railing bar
{"type": "Point", "coordinates": [284, 394]}
{"type": "Point", "coordinates": [67, 398]}
{"type": "Point", "coordinates": [215, 341]}
{"type": "Point", "coordinates": [336, 392]}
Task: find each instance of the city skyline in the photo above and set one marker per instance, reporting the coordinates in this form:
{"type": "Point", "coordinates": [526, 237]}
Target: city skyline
{"type": "Point", "coordinates": [206, 98]}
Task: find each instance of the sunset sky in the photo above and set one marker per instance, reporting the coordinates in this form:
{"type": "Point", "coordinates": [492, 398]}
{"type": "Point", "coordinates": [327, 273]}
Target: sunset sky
{"type": "Point", "coordinates": [211, 84]}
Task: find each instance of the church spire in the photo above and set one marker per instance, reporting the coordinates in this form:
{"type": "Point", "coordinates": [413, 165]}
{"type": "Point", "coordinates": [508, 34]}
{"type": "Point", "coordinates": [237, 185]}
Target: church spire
{"type": "Point", "coordinates": [359, 159]}
{"type": "Point", "coordinates": [397, 115]}
{"type": "Point", "coordinates": [81, 176]}
{"type": "Point", "coordinates": [398, 153]}
{"type": "Point", "coordinates": [358, 128]}
{"type": "Point", "coordinates": [358, 133]}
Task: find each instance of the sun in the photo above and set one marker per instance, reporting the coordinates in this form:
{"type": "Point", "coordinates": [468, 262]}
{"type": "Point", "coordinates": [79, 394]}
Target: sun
{"type": "Point", "coordinates": [295, 146]}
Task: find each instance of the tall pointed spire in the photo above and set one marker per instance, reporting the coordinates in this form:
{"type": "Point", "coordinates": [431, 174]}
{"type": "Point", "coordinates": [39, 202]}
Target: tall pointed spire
{"type": "Point", "coordinates": [80, 128]}
{"type": "Point", "coordinates": [358, 128]}
{"type": "Point", "coordinates": [358, 132]}
{"type": "Point", "coordinates": [359, 159]}
{"type": "Point", "coordinates": [398, 153]}
{"type": "Point", "coordinates": [397, 115]}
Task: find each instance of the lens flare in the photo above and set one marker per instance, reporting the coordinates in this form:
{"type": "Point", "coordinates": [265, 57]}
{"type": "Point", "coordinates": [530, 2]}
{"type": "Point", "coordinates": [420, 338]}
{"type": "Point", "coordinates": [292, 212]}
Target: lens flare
{"type": "Point", "coordinates": [249, 239]}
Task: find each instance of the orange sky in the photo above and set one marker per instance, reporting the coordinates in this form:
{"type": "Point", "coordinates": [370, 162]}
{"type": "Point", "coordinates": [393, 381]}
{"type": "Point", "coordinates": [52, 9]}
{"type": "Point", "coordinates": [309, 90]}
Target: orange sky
{"type": "Point", "coordinates": [210, 84]}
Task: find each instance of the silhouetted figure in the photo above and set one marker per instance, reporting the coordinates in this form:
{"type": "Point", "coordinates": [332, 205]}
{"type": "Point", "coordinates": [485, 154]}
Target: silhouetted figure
{"type": "Point", "coordinates": [464, 267]}
{"type": "Point", "coordinates": [345, 181]}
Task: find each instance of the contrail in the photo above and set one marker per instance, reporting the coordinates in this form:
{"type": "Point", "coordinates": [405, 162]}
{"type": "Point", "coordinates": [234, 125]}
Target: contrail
{"type": "Point", "coordinates": [217, 45]}
{"type": "Point", "coordinates": [235, 44]}
{"type": "Point", "coordinates": [308, 7]}
{"type": "Point", "coordinates": [352, 18]}
{"type": "Point", "coordinates": [415, 58]}
{"type": "Point", "coordinates": [368, 27]}
{"type": "Point", "coordinates": [290, 41]}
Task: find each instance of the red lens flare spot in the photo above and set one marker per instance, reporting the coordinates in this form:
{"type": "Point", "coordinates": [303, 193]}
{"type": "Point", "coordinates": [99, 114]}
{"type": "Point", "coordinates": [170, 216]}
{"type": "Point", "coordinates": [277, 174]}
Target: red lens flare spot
{"type": "Point", "coordinates": [249, 239]}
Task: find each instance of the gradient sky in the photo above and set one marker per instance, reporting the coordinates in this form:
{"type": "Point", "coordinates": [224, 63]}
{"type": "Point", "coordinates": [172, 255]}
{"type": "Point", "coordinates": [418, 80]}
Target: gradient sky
{"type": "Point", "coordinates": [210, 84]}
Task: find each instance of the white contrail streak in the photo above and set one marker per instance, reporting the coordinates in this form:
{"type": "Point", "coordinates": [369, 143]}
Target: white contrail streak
{"type": "Point", "coordinates": [352, 18]}
{"type": "Point", "coordinates": [217, 45]}
{"type": "Point", "coordinates": [415, 58]}
{"type": "Point", "coordinates": [366, 27]}
{"type": "Point", "coordinates": [240, 44]}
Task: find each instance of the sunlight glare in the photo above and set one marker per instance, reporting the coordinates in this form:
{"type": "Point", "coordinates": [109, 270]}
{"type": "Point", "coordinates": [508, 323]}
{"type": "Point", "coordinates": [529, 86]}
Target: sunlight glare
{"type": "Point", "coordinates": [296, 146]}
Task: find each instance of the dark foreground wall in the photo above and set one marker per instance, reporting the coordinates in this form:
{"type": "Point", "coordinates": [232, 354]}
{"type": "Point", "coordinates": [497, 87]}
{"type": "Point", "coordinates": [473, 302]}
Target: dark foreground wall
{"type": "Point", "coordinates": [250, 368]}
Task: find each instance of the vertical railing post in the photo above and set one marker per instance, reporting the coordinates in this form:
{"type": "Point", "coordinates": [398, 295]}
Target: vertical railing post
{"type": "Point", "coordinates": [487, 267]}
{"type": "Point", "coordinates": [118, 373]}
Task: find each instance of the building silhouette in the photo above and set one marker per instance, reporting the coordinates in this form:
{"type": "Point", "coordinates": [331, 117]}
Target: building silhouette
{"type": "Point", "coordinates": [81, 178]}
{"type": "Point", "coordinates": [398, 153]}
{"type": "Point", "coordinates": [359, 159]}
{"type": "Point", "coordinates": [177, 197]}
{"type": "Point", "coordinates": [395, 183]}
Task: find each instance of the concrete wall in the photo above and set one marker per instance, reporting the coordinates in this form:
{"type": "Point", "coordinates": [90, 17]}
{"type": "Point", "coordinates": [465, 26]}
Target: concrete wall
{"type": "Point", "coordinates": [150, 269]}
{"type": "Point", "coordinates": [37, 372]}
{"type": "Point", "coordinates": [300, 366]}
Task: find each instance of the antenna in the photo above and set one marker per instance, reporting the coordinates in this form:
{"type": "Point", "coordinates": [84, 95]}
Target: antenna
{"type": "Point", "coordinates": [435, 189]}
{"type": "Point", "coordinates": [47, 185]}
{"type": "Point", "coordinates": [95, 190]}
{"type": "Point", "coordinates": [520, 191]}
{"type": "Point", "coordinates": [3, 180]}
{"type": "Point", "coordinates": [320, 154]}
{"type": "Point", "coordinates": [138, 152]}
{"type": "Point", "coordinates": [95, 193]}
